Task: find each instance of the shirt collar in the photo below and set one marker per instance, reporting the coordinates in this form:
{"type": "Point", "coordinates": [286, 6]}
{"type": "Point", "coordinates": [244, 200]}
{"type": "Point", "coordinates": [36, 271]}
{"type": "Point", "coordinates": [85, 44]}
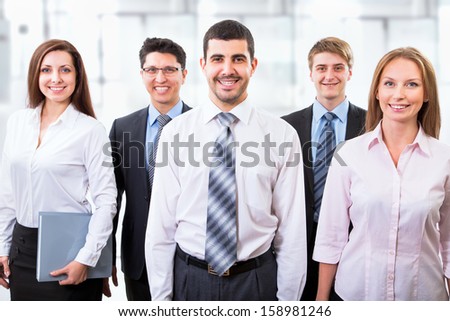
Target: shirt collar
{"type": "Point", "coordinates": [341, 110]}
{"type": "Point", "coordinates": [421, 140]}
{"type": "Point", "coordinates": [68, 117]}
{"type": "Point", "coordinates": [153, 113]}
{"type": "Point", "coordinates": [242, 111]}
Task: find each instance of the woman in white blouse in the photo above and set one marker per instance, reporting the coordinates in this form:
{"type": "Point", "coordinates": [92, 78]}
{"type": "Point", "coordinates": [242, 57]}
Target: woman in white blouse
{"type": "Point", "coordinates": [392, 185]}
{"type": "Point", "coordinates": [53, 158]}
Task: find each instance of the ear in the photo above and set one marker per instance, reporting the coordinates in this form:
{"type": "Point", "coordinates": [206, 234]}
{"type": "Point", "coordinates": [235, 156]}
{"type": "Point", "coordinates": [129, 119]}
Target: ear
{"type": "Point", "coordinates": [202, 63]}
{"type": "Point", "coordinates": [350, 74]}
{"type": "Point", "coordinates": [254, 64]}
{"type": "Point", "coordinates": [184, 73]}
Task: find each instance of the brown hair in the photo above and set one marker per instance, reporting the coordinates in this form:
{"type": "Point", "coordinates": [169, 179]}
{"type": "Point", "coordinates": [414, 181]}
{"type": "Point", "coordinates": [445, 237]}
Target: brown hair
{"type": "Point", "coordinates": [81, 97]}
{"type": "Point", "coordinates": [229, 30]}
{"type": "Point", "coordinates": [332, 45]}
{"type": "Point", "coordinates": [429, 115]}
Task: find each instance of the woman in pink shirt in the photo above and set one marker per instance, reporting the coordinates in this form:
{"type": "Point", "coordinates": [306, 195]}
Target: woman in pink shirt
{"type": "Point", "coordinates": [392, 185]}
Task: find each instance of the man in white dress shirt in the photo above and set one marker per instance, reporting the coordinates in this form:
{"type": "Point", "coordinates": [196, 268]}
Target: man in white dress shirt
{"type": "Point", "coordinates": [269, 221]}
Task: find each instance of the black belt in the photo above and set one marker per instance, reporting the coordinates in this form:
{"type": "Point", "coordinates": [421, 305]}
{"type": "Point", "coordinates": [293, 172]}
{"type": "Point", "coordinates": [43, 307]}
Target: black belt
{"type": "Point", "coordinates": [238, 267]}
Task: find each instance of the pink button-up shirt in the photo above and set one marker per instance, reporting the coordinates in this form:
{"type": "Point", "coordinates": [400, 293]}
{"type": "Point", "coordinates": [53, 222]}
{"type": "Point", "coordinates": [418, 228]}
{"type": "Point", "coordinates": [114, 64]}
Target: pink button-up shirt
{"type": "Point", "coordinates": [399, 247]}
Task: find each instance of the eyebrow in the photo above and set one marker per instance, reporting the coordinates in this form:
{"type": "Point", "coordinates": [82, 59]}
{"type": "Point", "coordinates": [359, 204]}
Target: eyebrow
{"type": "Point", "coordinates": [411, 79]}
{"type": "Point", "coordinates": [334, 65]}
{"type": "Point", "coordinates": [233, 56]}
{"type": "Point", "coordinates": [154, 66]}
{"type": "Point", "coordinates": [66, 65]}
{"type": "Point", "coordinates": [216, 56]}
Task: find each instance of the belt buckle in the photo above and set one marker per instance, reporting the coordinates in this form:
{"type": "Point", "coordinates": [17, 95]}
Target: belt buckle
{"type": "Point", "coordinates": [212, 272]}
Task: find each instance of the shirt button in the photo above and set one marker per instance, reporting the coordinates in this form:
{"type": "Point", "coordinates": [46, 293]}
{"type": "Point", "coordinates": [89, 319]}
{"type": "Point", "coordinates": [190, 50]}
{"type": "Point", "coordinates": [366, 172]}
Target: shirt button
{"type": "Point", "coordinates": [391, 277]}
{"type": "Point", "coordinates": [391, 252]}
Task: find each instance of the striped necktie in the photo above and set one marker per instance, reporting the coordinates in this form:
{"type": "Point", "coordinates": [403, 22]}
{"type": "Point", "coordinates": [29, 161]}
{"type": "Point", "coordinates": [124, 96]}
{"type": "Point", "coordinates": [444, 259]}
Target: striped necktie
{"type": "Point", "coordinates": [324, 154]}
{"type": "Point", "coordinates": [162, 121]}
{"type": "Point", "coordinates": [221, 236]}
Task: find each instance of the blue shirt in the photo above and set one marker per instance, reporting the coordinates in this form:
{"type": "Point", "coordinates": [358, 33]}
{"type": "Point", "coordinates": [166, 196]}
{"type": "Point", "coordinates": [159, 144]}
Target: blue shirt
{"type": "Point", "coordinates": [153, 126]}
{"type": "Point", "coordinates": [318, 122]}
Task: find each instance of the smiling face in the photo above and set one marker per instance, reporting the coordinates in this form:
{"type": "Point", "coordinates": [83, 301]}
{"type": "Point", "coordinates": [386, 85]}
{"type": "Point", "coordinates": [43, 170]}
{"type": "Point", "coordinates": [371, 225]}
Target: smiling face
{"type": "Point", "coordinates": [228, 69]}
{"type": "Point", "coordinates": [401, 91]}
{"type": "Point", "coordinates": [164, 89]}
{"type": "Point", "coordinates": [57, 77]}
{"type": "Point", "coordinates": [330, 73]}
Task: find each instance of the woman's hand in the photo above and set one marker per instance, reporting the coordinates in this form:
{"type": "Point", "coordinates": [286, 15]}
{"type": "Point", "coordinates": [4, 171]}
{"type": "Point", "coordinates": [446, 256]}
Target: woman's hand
{"type": "Point", "coordinates": [76, 273]}
{"type": "Point", "coordinates": [4, 271]}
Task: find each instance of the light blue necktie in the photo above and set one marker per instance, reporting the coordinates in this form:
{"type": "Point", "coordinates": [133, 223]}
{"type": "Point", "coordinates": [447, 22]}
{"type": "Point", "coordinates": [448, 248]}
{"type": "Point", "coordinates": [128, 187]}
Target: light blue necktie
{"type": "Point", "coordinates": [221, 236]}
{"type": "Point", "coordinates": [324, 154]}
{"type": "Point", "coordinates": [162, 121]}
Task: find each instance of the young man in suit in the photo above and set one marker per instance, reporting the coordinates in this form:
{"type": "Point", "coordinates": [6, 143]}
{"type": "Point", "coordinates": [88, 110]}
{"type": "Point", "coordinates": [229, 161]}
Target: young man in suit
{"type": "Point", "coordinates": [330, 63]}
{"type": "Point", "coordinates": [134, 141]}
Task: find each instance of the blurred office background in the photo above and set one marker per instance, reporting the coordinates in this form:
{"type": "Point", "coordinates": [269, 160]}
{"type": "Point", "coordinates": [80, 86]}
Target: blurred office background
{"type": "Point", "coordinates": [109, 34]}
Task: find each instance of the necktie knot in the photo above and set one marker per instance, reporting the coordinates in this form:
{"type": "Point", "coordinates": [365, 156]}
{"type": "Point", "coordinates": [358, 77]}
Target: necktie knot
{"type": "Point", "coordinates": [226, 119]}
{"type": "Point", "coordinates": [163, 120]}
{"type": "Point", "coordinates": [329, 116]}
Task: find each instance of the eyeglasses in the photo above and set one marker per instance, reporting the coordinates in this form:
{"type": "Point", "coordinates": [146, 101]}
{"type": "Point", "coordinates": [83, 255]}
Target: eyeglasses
{"type": "Point", "coordinates": [167, 71]}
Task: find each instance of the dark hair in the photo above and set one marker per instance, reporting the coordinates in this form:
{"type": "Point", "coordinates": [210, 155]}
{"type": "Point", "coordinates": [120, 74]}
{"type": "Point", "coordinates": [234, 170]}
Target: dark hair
{"type": "Point", "coordinates": [332, 45]}
{"type": "Point", "coordinates": [229, 30]}
{"type": "Point", "coordinates": [162, 45]}
{"type": "Point", "coordinates": [81, 97]}
{"type": "Point", "coordinates": [429, 115]}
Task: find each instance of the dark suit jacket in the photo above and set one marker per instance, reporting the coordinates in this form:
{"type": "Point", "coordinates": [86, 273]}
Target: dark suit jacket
{"type": "Point", "coordinates": [301, 121]}
{"type": "Point", "coordinates": [128, 151]}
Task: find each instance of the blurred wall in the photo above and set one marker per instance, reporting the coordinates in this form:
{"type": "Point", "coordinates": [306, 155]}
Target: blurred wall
{"type": "Point", "coordinates": [109, 34]}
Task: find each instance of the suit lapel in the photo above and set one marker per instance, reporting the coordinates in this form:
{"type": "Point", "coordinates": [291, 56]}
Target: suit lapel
{"type": "Point", "coordinates": [140, 128]}
{"type": "Point", "coordinates": [185, 108]}
{"type": "Point", "coordinates": [305, 139]}
{"type": "Point", "coordinates": [141, 125]}
{"type": "Point", "coordinates": [354, 123]}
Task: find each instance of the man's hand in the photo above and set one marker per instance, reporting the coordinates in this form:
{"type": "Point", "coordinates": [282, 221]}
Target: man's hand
{"type": "Point", "coordinates": [106, 287]}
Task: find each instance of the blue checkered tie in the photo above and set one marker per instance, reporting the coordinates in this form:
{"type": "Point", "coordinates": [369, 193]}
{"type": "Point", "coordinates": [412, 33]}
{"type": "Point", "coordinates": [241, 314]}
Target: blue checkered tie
{"type": "Point", "coordinates": [162, 121]}
{"type": "Point", "coordinates": [324, 154]}
{"type": "Point", "coordinates": [221, 237]}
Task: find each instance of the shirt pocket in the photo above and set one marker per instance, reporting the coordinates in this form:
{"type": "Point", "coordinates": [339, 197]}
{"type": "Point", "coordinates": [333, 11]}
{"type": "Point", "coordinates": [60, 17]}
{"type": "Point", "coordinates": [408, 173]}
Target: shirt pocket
{"type": "Point", "coordinates": [258, 187]}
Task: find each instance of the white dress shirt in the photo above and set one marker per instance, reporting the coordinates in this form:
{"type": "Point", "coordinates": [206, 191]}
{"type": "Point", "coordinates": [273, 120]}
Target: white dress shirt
{"type": "Point", "coordinates": [69, 167]}
{"type": "Point", "coordinates": [400, 217]}
{"type": "Point", "coordinates": [271, 204]}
